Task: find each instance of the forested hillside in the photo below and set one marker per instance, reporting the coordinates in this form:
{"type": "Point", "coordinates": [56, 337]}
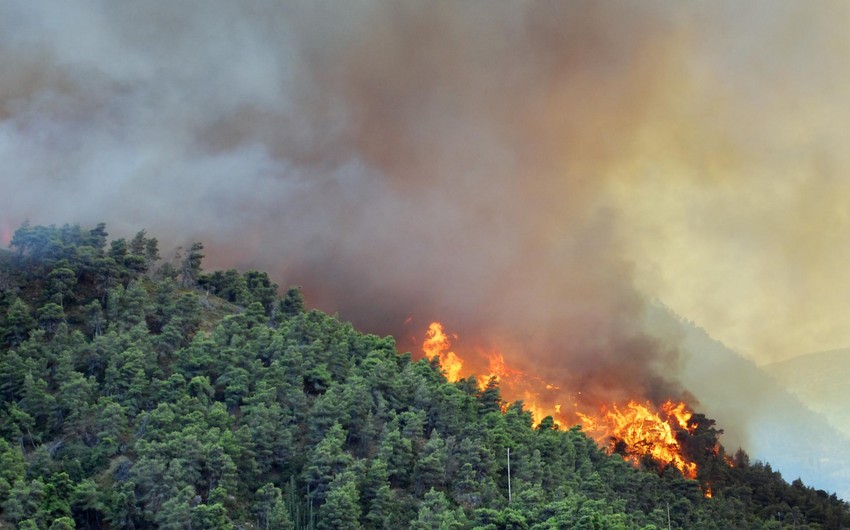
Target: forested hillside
{"type": "Point", "coordinates": [141, 394]}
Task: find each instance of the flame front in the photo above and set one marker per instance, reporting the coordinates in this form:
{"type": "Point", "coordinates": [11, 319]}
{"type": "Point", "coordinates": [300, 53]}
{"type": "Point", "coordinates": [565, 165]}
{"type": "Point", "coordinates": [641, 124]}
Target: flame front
{"type": "Point", "coordinates": [635, 430]}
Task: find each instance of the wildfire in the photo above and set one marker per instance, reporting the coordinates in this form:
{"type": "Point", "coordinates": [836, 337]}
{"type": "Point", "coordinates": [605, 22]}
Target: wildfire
{"type": "Point", "coordinates": [437, 345]}
{"type": "Point", "coordinates": [635, 430]}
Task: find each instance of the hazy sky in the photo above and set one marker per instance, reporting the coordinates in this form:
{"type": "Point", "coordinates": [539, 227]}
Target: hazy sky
{"type": "Point", "coordinates": [532, 173]}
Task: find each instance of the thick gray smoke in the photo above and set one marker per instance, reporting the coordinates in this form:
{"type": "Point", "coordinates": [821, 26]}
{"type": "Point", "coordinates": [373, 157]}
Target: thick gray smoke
{"type": "Point", "coordinates": [442, 162]}
{"type": "Point", "coordinates": [528, 173]}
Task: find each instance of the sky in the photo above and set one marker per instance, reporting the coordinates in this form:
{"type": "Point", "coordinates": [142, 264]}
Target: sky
{"type": "Point", "coordinates": [532, 174]}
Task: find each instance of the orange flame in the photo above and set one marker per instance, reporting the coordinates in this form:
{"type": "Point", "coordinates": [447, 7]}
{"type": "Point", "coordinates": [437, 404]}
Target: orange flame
{"type": "Point", "coordinates": [437, 345]}
{"type": "Point", "coordinates": [635, 430]}
{"type": "Point", "coordinates": [679, 412]}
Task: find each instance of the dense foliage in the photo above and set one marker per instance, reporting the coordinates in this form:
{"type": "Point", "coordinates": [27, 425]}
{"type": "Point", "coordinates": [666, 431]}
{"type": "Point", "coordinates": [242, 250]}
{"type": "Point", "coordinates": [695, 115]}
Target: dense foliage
{"type": "Point", "coordinates": [136, 394]}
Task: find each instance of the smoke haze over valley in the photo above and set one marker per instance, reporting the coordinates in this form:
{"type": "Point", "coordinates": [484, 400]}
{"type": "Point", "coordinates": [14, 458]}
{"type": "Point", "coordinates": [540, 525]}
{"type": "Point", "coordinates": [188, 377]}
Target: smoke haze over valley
{"type": "Point", "coordinates": [531, 174]}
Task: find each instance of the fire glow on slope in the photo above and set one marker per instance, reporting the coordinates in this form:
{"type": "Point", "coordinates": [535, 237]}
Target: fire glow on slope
{"type": "Point", "coordinates": [635, 430]}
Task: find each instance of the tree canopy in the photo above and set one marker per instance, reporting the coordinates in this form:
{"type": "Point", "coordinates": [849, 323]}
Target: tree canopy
{"type": "Point", "coordinates": [141, 394]}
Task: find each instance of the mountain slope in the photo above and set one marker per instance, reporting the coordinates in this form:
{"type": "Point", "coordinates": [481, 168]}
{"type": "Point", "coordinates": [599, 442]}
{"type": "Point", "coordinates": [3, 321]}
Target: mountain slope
{"type": "Point", "coordinates": [821, 381]}
{"type": "Point", "coordinates": [142, 395]}
{"type": "Point", "coordinates": [758, 414]}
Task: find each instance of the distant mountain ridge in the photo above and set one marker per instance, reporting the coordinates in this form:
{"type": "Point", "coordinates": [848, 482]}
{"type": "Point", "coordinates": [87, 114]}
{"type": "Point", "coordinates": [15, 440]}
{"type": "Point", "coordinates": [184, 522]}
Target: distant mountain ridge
{"type": "Point", "coordinates": [821, 380]}
{"type": "Point", "coordinates": [771, 423]}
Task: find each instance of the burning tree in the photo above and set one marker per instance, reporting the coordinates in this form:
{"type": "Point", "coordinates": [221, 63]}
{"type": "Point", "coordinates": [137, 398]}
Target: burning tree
{"type": "Point", "coordinates": [669, 435]}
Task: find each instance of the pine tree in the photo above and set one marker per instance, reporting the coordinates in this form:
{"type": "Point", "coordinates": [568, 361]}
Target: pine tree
{"type": "Point", "coordinates": [270, 509]}
{"type": "Point", "coordinates": [190, 267]}
{"type": "Point", "coordinates": [326, 461]}
{"type": "Point", "coordinates": [342, 507]}
{"type": "Point", "coordinates": [18, 323]}
{"type": "Point", "coordinates": [436, 514]}
{"type": "Point", "coordinates": [430, 468]}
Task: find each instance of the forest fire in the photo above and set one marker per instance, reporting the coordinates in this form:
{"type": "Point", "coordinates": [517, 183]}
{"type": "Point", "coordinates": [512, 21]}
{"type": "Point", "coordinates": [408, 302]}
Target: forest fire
{"type": "Point", "coordinates": [635, 430]}
{"type": "Point", "coordinates": [437, 345]}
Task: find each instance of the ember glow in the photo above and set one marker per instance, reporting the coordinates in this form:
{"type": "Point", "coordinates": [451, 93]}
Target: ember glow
{"type": "Point", "coordinates": [635, 430]}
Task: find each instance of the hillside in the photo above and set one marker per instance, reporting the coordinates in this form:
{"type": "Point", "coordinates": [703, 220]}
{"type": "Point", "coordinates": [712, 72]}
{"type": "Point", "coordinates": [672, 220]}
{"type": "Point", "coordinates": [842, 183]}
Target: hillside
{"type": "Point", "coordinates": [772, 423]}
{"type": "Point", "coordinates": [140, 394]}
{"type": "Point", "coordinates": [821, 381]}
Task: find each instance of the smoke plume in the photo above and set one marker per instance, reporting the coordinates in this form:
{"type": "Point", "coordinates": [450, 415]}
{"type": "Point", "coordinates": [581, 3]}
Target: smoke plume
{"type": "Point", "coordinates": [528, 173]}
